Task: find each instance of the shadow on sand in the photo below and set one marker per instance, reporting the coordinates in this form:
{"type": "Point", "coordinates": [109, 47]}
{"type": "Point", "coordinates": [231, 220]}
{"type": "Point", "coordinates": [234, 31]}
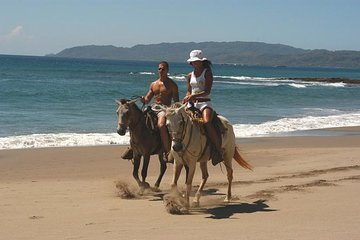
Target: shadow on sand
{"type": "Point", "coordinates": [229, 210]}
{"type": "Point", "coordinates": [211, 191]}
{"type": "Point", "coordinates": [223, 211]}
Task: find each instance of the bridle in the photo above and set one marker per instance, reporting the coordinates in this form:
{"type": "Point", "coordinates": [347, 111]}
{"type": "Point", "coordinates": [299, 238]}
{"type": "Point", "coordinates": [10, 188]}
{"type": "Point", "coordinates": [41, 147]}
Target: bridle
{"type": "Point", "coordinates": [178, 136]}
{"type": "Point", "coordinates": [183, 133]}
{"type": "Point", "coordinates": [127, 103]}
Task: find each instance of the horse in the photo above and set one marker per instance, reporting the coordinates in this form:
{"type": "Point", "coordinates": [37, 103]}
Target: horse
{"type": "Point", "coordinates": [190, 145]}
{"type": "Point", "coordinates": [143, 140]}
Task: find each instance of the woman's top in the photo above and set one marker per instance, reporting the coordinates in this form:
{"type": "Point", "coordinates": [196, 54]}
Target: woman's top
{"type": "Point", "coordinates": [198, 85]}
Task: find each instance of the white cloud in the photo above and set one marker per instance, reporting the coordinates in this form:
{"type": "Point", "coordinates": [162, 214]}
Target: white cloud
{"type": "Point", "coordinates": [17, 31]}
{"type": "Point", "coordinates": [16, 34]}
{"type": "Point", "coordinates": [16, 41]}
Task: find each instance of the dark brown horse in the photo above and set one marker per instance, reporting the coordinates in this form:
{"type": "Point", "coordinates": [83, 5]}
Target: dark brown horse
{"type": "Point", "coordinates": [143, 140]}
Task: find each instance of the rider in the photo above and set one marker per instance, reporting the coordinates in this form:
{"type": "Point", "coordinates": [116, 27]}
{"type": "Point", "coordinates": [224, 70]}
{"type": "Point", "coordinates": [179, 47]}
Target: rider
{"type": "Point", "coordinates": [199, 83]}
{"type": "Point", "coordinates": [164, 90]}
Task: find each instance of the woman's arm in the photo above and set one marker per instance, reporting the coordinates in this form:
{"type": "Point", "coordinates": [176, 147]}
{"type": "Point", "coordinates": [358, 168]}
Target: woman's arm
{"type": "Point", "coordinates": [188, 92]}
{"type": "Point", "coordinates": [208, 81]}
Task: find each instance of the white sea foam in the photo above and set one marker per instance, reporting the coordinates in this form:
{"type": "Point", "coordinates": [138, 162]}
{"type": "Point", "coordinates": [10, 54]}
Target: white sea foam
{"type": "Point", "coordinates": [339, 84]}
{"type": "Point", "coordinates": [146, 73]}
{"type": "Point", "coordinates": [62, 140]}
{"type": "Point", "coordinates": [272, 84]}
{"type": "Point", "coordinates": [297, 124]}
{"type": "Point", "coordinates": [261, 81]}
{"type": "Point", "coordinates": [322, 111]}
{"type": "Point", "coordinates": [245, 78]}
{"type": "Point", "coordinates": [178, 77]}
{"type": "Point", "coordinates": [296, 85]}
{"type": "Point", "coordinates": [257, 81]}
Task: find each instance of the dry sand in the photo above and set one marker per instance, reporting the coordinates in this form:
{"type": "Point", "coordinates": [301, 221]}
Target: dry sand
{"type": "Point", "coordinates": [301, 188]}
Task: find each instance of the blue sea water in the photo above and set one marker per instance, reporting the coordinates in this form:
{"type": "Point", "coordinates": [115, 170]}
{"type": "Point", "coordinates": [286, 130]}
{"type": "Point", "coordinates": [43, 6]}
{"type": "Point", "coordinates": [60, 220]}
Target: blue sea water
{"type": "Point", "coordinates": [71, 102]}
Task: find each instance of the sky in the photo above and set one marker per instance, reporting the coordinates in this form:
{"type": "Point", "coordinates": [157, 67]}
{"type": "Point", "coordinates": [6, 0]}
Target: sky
{"type": "Point", "coordinates": [39, 27]}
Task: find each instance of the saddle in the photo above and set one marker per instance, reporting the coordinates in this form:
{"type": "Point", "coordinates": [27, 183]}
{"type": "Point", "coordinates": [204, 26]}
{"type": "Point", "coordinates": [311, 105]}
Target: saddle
{"type": "Point", "coordinates": [151, 119]}
{"type": "Point", "coordinates": [196, 116]}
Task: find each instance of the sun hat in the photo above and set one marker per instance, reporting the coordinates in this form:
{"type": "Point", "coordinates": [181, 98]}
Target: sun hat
{"type": "Point", "coordinates": [196, 55]}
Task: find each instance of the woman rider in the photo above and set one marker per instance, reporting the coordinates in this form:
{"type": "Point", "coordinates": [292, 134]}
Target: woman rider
{"type": "Point", "coordinates": [199, 84]}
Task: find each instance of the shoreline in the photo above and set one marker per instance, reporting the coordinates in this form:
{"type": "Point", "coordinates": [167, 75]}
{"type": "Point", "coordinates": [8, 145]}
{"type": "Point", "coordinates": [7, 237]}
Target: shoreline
{"type": "Point", "coordinates": [325, 132]}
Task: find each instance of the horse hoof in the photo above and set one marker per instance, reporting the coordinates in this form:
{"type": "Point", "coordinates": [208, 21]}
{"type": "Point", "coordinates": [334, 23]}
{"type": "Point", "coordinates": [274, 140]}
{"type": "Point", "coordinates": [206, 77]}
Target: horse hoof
{"type": "Point", "coordinates": [144, 185]}
{"type": "Point", "coordinates": [227, 200]}
{"type": "Point", "coordinates": [186, 208]}
{"type": "Point", "coordinates": [196, 204]}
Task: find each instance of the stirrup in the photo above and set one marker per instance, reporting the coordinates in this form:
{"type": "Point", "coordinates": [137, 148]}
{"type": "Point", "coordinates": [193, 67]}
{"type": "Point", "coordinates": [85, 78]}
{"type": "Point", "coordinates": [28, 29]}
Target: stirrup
{"type": "Point", "coordinates": [128, 154]}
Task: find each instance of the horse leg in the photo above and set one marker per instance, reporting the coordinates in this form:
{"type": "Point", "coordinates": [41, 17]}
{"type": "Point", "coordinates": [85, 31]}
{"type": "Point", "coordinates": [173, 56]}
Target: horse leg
{"type": "Point", "coordinates": [162, 170]}
{"type": "Point", "coordinates": [145, 170]}
{"type": "Point", "coordinates": [189, 180]}
{"type": "Point", "coordinates": [177, 170]}
{"type": "Point", "coordinates": [229, 171]}
{"type": "Point", "coordinates": [136, 166]}
{"type": "Point", "coordinates": [205, 175]}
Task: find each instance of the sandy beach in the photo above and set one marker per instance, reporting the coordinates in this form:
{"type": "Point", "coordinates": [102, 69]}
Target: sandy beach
{"type": "Point", "coordinates": [300, 188]}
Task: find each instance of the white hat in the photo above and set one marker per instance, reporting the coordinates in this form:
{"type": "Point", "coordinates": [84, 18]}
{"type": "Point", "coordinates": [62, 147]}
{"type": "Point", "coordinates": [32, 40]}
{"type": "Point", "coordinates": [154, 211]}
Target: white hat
{"type": "Point", "coordinates": [196, 55]}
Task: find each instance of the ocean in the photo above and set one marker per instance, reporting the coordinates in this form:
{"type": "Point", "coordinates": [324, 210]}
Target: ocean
{"type": "Point", "coordinates": [53, 102]}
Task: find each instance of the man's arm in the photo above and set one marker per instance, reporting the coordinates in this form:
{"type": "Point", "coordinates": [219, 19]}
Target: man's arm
{"type": "Point", "coordinates": [147, 98]}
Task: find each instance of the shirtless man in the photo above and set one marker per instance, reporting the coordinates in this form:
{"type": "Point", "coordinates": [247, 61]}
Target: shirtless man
{"type": "Point", "coordinates": [164, 90]}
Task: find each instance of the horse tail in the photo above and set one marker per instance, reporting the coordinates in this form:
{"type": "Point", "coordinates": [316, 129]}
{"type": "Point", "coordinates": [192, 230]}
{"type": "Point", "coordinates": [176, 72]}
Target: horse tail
{"type": "Point", "coordinates": [240, 160]}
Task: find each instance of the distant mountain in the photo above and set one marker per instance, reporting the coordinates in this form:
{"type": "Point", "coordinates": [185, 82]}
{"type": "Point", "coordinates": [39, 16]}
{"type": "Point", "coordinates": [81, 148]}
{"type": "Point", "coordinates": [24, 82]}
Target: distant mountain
{"type": "Point", "coordinates": [242, 53]}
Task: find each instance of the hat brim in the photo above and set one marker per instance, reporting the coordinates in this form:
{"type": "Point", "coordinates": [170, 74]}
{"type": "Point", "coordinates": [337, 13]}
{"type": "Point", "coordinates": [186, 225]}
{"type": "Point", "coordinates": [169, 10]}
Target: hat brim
{"type": "Point", "coordinates": [194, 59]}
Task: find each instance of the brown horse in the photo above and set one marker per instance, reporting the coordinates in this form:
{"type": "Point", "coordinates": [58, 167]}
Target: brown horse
{"type": "Point", "coordinates": [143, 140]}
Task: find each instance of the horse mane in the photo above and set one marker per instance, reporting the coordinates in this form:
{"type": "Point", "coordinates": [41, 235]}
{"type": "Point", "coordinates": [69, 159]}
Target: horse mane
{"type": "Point", "coordinates": [174, 108]}
{"type": "Point", "coordinates": [135, 107]}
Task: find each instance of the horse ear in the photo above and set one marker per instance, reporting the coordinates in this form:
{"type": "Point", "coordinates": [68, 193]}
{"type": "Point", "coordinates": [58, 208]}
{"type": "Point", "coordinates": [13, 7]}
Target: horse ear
{"type": "Point", "coordinates": [118, 102]}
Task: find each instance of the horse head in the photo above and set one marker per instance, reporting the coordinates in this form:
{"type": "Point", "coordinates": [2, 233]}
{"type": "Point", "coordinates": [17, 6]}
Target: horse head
{"type": "Point", "coordinates": [176, 123]}
{"type": "Point", "coordinates": [124, 115]}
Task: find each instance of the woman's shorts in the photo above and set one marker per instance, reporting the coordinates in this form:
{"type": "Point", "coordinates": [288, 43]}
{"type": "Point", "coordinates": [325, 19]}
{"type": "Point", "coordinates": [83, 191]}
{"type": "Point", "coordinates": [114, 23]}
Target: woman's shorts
{"type": "Point", "coordinates": [202, 105]}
